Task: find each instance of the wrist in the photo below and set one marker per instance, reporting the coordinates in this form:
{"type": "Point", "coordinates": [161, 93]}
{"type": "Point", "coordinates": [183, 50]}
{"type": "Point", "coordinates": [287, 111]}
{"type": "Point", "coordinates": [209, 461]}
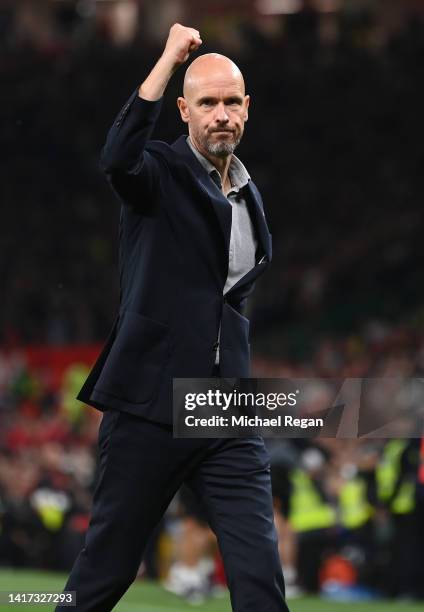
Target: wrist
{"type": "Point", "coordinates": [155, 84]}
{"type": "Point", "coordinates": [168, 63]}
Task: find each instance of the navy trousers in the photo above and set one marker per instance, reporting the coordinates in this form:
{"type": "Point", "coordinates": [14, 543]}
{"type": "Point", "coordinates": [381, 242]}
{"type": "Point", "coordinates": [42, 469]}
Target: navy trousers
{"type": "Point", "coordinates": [141, 468]}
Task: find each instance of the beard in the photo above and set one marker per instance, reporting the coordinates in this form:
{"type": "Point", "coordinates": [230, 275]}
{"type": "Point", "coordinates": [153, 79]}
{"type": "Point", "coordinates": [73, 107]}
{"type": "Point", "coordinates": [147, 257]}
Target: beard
{"type": "Point", "coordinates": [223, 148]}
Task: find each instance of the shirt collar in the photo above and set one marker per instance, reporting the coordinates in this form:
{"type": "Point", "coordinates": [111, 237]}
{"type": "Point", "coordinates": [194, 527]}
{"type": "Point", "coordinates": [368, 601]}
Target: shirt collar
{"type": "Point", "coordinates": [239, 176]}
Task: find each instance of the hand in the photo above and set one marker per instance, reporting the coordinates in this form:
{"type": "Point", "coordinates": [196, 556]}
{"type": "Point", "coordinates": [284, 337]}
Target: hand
{"type": "Point", "coordinates": [181, 42]}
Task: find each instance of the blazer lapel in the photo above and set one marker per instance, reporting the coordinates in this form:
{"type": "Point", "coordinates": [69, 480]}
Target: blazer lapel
{"type": "Point", "coordinates": [258, 218]}
{"type": "Point", "coordinates": [220, 204]}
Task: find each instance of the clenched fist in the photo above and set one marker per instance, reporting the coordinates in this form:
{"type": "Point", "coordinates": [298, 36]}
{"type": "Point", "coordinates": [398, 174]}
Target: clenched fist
{"type": "Point", "coordinates": [181, 42]}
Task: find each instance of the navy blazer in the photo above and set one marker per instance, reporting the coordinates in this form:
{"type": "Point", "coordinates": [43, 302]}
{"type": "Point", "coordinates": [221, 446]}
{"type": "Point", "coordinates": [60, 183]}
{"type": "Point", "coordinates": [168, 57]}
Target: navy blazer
{"type": "Point", "coordinates": [175, 228]}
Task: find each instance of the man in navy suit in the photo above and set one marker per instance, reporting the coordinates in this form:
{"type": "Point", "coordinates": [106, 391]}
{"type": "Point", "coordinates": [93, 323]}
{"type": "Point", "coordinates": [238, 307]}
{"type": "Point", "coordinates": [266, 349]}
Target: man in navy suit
{"type": "Point", "coordinates": [193, 238]}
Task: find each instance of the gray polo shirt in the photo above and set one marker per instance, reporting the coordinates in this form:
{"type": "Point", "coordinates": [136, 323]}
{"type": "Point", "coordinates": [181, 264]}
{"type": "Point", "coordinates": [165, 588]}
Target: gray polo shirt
{"type": "Point", "coordinates": [242, 241]}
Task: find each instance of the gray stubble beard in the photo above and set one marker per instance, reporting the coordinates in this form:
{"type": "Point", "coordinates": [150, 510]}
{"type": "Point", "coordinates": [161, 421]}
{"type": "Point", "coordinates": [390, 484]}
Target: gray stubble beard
{"type": "Point", "coordinates": [222, 149]}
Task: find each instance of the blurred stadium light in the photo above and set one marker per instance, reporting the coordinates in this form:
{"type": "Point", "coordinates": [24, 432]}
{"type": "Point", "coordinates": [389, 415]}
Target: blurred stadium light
{"type": "Point", "coordinates": [290, 7]}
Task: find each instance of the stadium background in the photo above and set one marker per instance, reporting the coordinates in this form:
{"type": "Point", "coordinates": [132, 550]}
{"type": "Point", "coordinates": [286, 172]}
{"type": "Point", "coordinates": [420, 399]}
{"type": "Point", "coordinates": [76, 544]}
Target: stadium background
{"type": "Point", "coordinates": [334, 142]}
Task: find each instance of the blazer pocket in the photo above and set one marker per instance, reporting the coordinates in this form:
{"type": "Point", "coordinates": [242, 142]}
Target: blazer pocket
{"type": "Point", "coordinates": [136, 360]}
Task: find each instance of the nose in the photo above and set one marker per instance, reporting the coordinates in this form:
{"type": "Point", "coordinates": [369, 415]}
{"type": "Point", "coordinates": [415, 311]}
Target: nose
{"type": "Point", "coordinates": [221, 114]}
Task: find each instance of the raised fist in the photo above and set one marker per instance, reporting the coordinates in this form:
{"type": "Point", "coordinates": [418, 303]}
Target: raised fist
{"type": "Point", "coordinates": [181, 42]}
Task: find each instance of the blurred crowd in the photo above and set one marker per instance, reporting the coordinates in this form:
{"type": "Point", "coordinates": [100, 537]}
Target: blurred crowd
{"type": "Point", "coordinates": [349, 513]}
{"type": "Point", "coordinates": [350, 516]}
{"type": "Point", "coordinates": [47, 464]}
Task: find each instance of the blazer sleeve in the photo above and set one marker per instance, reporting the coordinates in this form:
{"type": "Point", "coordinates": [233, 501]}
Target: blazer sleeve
{"type": "Point", "coordinates": [131, 170]}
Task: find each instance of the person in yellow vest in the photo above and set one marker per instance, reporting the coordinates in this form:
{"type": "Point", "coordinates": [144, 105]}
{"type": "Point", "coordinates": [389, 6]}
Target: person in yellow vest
{"type": "Point", "coordinates": [356, 496]}
{"type": "Point", "coordinates": [355, 509]}
{"type": "Point", "coordinates": [312, 516]}
{"type": "Point", "coordinates": [396, 478]}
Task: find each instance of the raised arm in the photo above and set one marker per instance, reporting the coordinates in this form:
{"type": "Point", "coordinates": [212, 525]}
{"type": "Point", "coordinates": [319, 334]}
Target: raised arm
{"type": "Point", "coordinates": [181, 42]}
{"type": "Point", "coordinates": [127, 138]}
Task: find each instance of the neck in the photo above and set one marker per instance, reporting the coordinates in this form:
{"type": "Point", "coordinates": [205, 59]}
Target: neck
{"type": "Point", "coordinates": [222, 164]}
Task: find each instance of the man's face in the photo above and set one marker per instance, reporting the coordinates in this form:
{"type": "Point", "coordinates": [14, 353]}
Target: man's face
{"type": "Point", "coordinates": [215, 108]}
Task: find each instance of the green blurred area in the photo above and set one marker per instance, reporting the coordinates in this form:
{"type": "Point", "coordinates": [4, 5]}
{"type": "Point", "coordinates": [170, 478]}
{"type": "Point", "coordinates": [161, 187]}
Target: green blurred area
{"type": "Point", "coordinates": [149, 597]}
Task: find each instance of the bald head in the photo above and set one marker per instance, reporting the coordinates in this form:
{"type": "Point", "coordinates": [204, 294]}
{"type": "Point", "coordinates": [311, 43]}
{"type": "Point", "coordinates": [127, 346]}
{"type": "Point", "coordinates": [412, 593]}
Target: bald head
{"type": "Point", "coordinates": [214, 104]}
{"type": "Point", "coordinates": [211, 68]}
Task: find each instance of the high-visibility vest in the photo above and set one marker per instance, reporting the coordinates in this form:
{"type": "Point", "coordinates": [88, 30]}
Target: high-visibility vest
{"type": "Point", "coordinates": [308, 511]}
{"type": "Point", "coordinates": [387, 474]}
{"type": "Point", "coordinates": [355, 510]}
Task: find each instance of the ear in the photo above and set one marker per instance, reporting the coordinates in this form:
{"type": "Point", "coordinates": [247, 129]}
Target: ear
{"type": "Point", "coordinates": [183, 108]}
{"type": "Point", "coordinates": [246, 107]}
